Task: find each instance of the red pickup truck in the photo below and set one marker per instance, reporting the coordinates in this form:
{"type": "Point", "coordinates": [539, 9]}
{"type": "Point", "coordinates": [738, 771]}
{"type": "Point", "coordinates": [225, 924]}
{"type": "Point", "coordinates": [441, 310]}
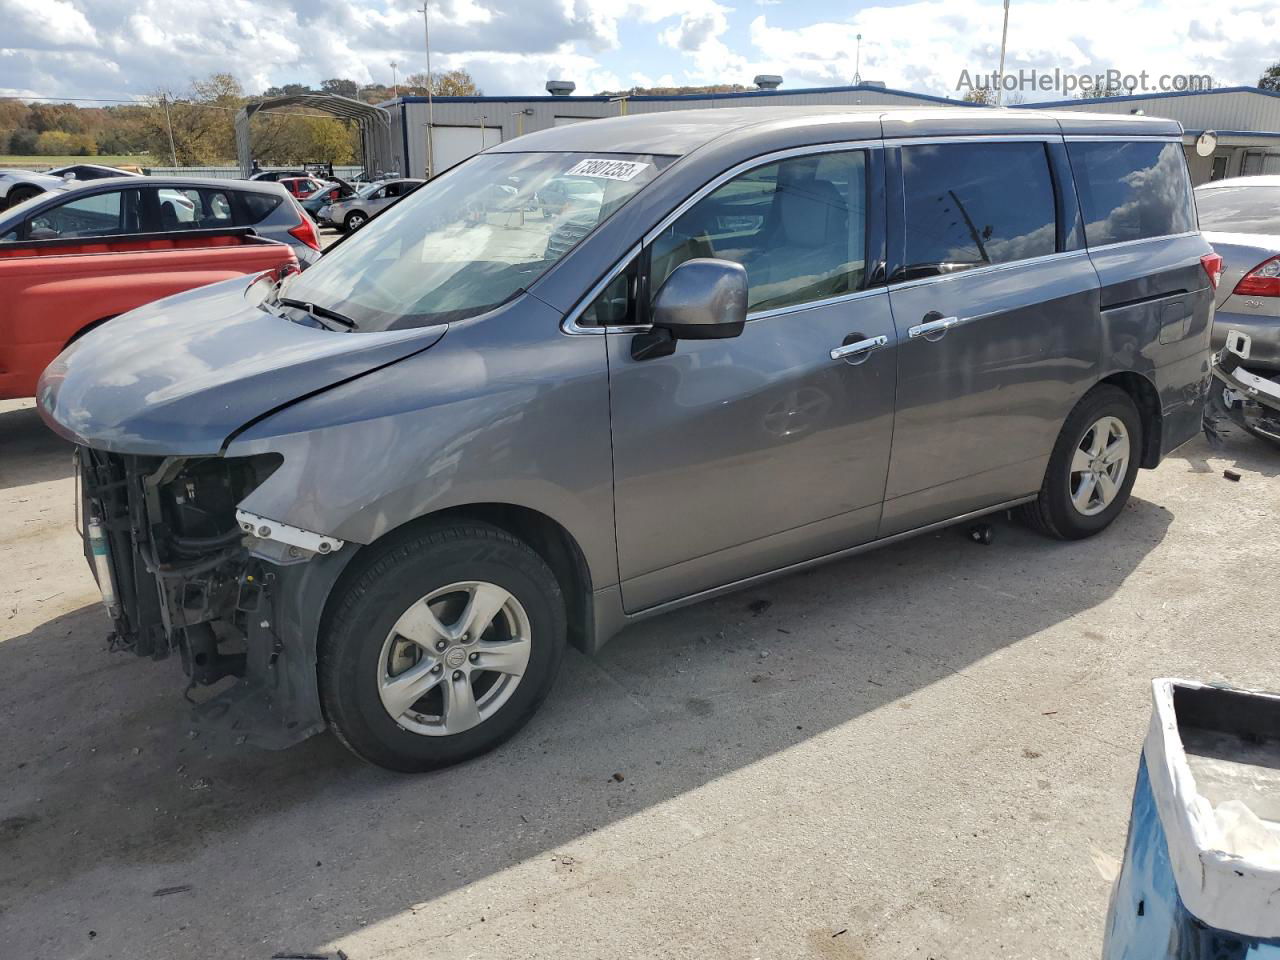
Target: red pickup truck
{"type": "Point", "coordinates": [52, 291]}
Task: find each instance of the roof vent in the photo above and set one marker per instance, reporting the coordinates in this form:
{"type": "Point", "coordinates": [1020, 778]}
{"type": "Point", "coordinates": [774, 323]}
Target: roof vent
{"type": "Point", "coordinates": [561, 88]}
{"type": "Point", "coordinates": [878, 84]}
{"type": "Point", "coordinates": [768, 81]}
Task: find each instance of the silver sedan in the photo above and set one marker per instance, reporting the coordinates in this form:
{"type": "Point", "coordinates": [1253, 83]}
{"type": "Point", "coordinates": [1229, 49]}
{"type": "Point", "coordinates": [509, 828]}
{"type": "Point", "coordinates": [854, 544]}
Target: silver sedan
{"type": "Point", "coordinates": [352, 213]}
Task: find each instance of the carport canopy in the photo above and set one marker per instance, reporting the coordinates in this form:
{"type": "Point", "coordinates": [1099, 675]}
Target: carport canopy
{"type": "Point", "coordinates": [375, 122]}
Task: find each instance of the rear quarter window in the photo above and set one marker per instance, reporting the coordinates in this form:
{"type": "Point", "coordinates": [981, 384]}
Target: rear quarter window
{"type": "Point", "coordinates": [257, 206]}
{"type": "Point", "coordinates": [1132, 189]}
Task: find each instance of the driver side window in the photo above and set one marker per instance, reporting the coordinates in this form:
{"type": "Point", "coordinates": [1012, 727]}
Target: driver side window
{"type": "Point", "coordinates": [798, 226]}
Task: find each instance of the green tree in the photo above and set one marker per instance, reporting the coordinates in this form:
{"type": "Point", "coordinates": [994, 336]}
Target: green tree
{"type": "Point", "coordinates": [1270, 79]}
{"type": "Point", "coordinates": [980, 95]}
{"type": "Point", "coordinates": [203, 122]}
{"type": "Point", "coordinates": [340, 87]}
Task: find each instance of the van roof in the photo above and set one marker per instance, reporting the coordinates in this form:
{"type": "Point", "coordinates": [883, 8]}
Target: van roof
{"type": "Point", "coordinates": [678, 132]}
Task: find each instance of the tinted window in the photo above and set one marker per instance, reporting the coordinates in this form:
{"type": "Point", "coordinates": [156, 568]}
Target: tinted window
{"type": "Point", "coordinates": [257, 206]}
{"type": "Point", "coordinates": [1240, 209]}
{"type": "Point", "coordinates": [798, 226]}
{"type": "Point", "coordinates": [971, 204]}
{"type": "Point", "coordinates": [614, 304]}
{"type": "Point", "coordinates": [1132, 190]}
{"type": "Point", "coordinates": [98, 215]}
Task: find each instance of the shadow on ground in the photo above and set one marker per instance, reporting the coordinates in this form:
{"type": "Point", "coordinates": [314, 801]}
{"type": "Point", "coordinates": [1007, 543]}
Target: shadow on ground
{"type": "Point", "coordinates": [29, 451]}
{"type": "Point", "coordinates": [292, 850]}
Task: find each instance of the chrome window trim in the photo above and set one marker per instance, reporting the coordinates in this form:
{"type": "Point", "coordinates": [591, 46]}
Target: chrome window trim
{"type": "Point", "coordinates": [974, 138]}
{"type": "Point", "coordinates": [990, 268]}
{"type": "Point", "coordinates": [571, 325]}
{"type": "Point", "coordinates": [811, 304]}
{"type": "Point", "coordinates": [1134, 243]}
{"type": "Point", "coordinates": [1117, 138]}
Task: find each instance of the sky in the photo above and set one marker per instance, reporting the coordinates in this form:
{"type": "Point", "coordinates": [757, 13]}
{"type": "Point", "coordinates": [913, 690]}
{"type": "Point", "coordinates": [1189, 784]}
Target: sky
{"type": "Point", "coordinates": [130, 48]}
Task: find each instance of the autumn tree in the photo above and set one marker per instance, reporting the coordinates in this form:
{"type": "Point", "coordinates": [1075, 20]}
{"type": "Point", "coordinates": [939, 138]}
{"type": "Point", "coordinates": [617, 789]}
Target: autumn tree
{"type": "Point", "coordinates": [450, 83]}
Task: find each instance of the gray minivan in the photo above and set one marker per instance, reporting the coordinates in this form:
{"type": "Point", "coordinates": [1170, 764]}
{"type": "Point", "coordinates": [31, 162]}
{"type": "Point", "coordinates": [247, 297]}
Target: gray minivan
{"type": "Point", "coordinates": [385, 493]}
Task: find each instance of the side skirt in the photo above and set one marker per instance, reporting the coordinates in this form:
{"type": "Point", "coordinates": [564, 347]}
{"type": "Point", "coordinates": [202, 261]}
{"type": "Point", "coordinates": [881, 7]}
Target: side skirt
{"type": "Point", "coordinates": [610, 618]}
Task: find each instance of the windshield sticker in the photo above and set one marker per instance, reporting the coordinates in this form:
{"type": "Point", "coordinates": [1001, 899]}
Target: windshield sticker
{"type": "Point", "coordinates": [607, 169]}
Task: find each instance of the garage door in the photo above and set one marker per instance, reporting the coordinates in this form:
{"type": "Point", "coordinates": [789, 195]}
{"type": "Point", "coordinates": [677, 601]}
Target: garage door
{"type": "Point", "coordinates": [455, 144]}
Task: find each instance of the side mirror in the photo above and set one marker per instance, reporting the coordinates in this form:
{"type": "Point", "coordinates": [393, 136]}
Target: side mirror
{"type": "Point", "coordinates": [702, 299]}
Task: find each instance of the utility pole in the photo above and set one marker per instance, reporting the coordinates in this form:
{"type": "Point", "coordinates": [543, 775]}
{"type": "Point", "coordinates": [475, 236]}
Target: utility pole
{"type": "Point", "coordinates": [1004, 38]}
{"type": "Point", "coordinates": [857, 64]}
{"type": "Point", "coordinates": [168, 120]}
{"type": "Point", "coordinates": [431, 118]}
{"type": "Point", "coordinates": [395, 87]}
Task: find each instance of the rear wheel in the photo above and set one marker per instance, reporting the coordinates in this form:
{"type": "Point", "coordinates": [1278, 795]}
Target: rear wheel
{"type": "Point", "coordinates": [19, 194]}
{"type": "Point", "coordinates": [441, 648]}
{"type": "Point", "coordinates": [1092, 468]}
{"type": "Point", "coordinates": [355, 220]}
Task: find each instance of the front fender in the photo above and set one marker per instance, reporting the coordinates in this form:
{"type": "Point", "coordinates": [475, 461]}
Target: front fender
{"type": "Point", "coordinates": [506, 409]}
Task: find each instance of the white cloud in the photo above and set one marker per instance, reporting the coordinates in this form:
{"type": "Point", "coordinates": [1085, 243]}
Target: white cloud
{"type": "Point", "coordinates": [122, 47]}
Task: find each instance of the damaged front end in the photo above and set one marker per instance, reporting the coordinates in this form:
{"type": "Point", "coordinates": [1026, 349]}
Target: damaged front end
{"type": "Point", "coordinates": [180, 568]}
{"type": "Point", "coordinates": [1247, 398]}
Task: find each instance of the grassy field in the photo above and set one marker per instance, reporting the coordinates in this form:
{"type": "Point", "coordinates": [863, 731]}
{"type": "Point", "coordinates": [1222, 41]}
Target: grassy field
{"type": "Point", "coordinates": [41, 163]}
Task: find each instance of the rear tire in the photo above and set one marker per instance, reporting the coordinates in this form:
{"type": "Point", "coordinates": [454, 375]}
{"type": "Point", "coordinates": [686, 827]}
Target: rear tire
{"type": "Point", "coordinates": [1086, 485]}
{"type": "Point", "coordinates": [403, 678]}
{"type": "Point", "coordinates": [20, 194]}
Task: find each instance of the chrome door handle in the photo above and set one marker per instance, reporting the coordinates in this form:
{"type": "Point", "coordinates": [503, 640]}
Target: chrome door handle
{"type": "Point", "coordinates": [861, 346]}
{"type": "Point", "coordinates": [941, 325]}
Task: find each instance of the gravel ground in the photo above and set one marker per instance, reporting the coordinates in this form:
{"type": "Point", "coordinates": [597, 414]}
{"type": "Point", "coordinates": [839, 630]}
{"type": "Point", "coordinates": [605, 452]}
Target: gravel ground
{"type": "Point", "coordinates": [924, 751]}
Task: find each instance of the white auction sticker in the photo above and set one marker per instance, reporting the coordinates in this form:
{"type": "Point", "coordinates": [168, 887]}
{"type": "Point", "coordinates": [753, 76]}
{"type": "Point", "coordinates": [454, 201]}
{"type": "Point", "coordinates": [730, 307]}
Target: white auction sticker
{"type": "Point", "coordinates": [605, 169]}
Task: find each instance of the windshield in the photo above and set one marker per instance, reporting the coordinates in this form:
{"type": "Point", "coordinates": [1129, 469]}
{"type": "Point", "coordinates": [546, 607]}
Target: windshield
{"type": "Point", "coordinates": [1243, 209]}
{"type": "Point", "coordinates": [471, 238]}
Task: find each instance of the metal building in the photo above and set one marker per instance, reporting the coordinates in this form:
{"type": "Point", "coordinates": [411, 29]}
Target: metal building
{"type": "Point", "coordinates": [461, 126]}
{"type": "Point", "coordinates": [450, 129]}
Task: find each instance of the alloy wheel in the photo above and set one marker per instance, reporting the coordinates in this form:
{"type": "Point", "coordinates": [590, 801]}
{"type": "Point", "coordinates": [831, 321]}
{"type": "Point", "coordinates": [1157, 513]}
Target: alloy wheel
{"type": "Point", "coordinates": [454, 658]}
{"type": "Point", "coordinates": [1099, 466]}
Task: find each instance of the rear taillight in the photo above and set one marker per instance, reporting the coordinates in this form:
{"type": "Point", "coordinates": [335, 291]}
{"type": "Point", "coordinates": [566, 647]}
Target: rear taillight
{"type": "Point", "coordinates": [305, 231]}
{"type": "Point", "coordinates": [1212, 264]}
{"type": "Point", "coordinates": [1262, 281]}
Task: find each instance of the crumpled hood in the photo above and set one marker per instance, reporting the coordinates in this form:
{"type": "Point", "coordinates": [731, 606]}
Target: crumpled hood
{"type": "Point", "coordinates": [180, 376]}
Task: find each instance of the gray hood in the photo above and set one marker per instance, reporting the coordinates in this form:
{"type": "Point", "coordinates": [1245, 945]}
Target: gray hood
{"type": "Point", "coordinates": [182, 375]}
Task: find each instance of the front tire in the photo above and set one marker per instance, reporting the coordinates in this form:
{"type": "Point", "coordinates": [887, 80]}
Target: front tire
{"type": "Point", "coordinates": [354, 221]}
{"type": "Point", "coordinates": [441, 647]}
{"type": "Point", "coordinates": [1092, 468]}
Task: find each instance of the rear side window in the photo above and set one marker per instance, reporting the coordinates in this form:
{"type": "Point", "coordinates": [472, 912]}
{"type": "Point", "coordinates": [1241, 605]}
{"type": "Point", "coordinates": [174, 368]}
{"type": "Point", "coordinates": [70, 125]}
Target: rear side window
{"type": "Point", "coordinates": [1240, 209]}
{"type": "Point", "coordinates": [257, 206]}
{"type": "Point", "coordinates": [972, 204]}
{"type": "Point", "coordinates": [1132, 190]}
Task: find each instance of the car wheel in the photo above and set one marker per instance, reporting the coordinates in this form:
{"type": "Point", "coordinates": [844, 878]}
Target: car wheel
{"type": "Point", "coordinates": [441, 647]}
{"type": "Point", "coordinates": [355, 220]}
{"type": "Point", "coordinates": [1092, 468]}
{"type": "Point", "coordinates": [20, 194]}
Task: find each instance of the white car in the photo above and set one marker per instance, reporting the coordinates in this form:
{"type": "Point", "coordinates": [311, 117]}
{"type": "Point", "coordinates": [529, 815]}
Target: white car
{"type": "Point", "coordinates": [19, 185]}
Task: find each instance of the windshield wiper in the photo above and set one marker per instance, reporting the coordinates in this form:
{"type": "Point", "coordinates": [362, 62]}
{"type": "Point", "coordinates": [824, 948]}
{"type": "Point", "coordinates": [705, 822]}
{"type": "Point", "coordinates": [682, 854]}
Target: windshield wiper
{"type": "Point", "coordinates": [319, 312]}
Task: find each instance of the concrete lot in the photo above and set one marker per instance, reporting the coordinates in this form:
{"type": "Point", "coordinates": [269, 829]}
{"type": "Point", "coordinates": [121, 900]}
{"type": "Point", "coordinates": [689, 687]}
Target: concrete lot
{"type": "Point", "coordinates": [926, 751]}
